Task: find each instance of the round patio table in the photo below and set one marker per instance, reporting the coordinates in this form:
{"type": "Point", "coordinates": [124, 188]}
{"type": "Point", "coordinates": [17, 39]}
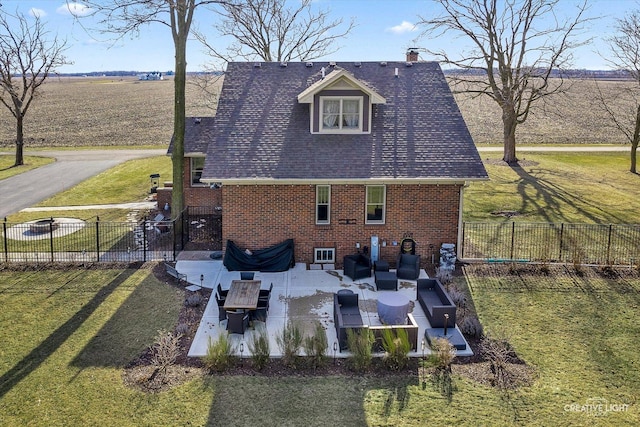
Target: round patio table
{"type": "Point", "coordinates": [393, 308]}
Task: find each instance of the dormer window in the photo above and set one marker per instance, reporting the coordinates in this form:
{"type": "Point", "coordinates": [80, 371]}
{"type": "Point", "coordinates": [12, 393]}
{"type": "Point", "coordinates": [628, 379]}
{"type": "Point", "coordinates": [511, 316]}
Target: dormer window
{"type": "Point", "coordinates": [341, 114]}
{"type": "Point", "coordinates": [340, 103]}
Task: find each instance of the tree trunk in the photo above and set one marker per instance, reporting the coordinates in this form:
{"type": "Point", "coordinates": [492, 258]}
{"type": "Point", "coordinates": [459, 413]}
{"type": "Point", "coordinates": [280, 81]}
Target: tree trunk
{"type": "Point", "coordinates": [177, 156]}
{"type": "Point", "coordinates": [634, 142]}
{"type": "Point", "coordinates": [19, 142]}
{"type": "Point", "coordinates": [509, 123]}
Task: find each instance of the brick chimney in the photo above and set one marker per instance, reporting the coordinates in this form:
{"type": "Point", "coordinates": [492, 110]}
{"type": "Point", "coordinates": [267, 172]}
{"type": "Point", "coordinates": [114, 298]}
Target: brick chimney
{"type": "Point", "coordinates": [412, 55]}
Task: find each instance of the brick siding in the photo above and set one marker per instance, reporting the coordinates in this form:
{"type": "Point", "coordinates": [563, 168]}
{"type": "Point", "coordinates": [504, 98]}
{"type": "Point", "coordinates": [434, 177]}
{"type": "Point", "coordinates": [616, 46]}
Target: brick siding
{"type": "Point", "coordinates": [259, 216]}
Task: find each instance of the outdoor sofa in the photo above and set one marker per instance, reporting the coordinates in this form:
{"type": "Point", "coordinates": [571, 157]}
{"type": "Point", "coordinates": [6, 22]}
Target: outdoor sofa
{"type": "Point", "coordinates": [346, 315]}
{"type": "Point", "coordinates": [435, 302]}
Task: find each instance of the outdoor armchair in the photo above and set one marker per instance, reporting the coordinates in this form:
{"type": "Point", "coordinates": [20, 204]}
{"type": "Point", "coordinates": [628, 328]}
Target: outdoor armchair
{"type": "Point", "coordinates": [357, 266]}
{"type": "Point", "coordinates": [408, 266]}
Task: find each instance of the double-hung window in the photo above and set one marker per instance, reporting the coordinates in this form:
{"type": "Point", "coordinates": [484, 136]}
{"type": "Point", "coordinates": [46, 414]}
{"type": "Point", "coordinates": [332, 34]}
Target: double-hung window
{"type": "Point", "coordinates": [323, 204]}
{"type": "Point", "coordinates": [197, 164]}
{"type": "Point", "coordinates": [341, 114]}
{"type": "Point", "coordinates": [376, 200]}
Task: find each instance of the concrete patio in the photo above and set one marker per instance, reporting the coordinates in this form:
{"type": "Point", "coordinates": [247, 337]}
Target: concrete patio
{"type": "Point", "coordinates": [301, 295]}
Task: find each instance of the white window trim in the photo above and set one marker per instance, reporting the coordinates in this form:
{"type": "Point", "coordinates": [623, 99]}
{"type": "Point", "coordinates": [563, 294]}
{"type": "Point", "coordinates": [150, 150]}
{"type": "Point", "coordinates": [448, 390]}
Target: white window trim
{"type": "Point", "coordinates": [328, 221]}
{"type": "Point", "coordinates": [384, 205]}
{"type": "Point", "coordinates": [321, 127]}
{"type": "Point", "coordinates": [319, 260]}
{"type": "Point", "coordinates": [192, 171]}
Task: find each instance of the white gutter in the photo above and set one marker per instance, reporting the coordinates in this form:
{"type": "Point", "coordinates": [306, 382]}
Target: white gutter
{"type": "Point", "coordinates": [460, 234]}
{"type": "Point", "coordinates": [342, 181]}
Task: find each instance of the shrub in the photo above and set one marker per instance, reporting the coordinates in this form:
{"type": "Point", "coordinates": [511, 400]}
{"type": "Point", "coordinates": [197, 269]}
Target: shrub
{"type": "Point", "coordinates": [445, 276]}
{"type": "Point", "coordinates": [166, 349]}
{"type": "Point", "coordinates": [441, 358]}
{"type": "Point", "coordinates": [218, 357]}
{"type": "Point", "coordinates": [470, 326]}
{"type": "Point", "coordinates": [498, 351]}
{"type": "Point", "coordinates": [360, 342]}
{"type": "Point", "coordinates": [459, 298]}
{"type": "Point", "coordinates": [289, 341]}
{"type": "Point", "coordinates": [193, 300]}
{"type": "Point", "coordinates": [315, 346]}
{"type": "Point", "coordinates": [396, 348]}
{"type": "Point", "coordinates": [183, 329]}
{"type": "Point", "coordinates": [259, 348]}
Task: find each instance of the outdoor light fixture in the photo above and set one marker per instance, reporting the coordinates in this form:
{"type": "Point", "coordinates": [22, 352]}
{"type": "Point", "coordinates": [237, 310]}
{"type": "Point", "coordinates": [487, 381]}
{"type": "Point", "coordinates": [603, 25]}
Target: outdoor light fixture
{"type": "Point", "coordinates": [335, 349]}
{"type": "Point", "coordinates": [423, 345]}
{"type": "Point", "coordinates": [241, 351]}
{"type": "Point", "coordinates": [446, 320]}
{"type": "Point", "coordinates": [201, 279]}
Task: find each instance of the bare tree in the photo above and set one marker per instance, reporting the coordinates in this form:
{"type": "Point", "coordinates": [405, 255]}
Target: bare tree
{"type": "Point", "coordinates": [272, 30]}
{"type": "Point", "coordinates": [516, 47]}
{"type": "Point", "coordinates": [27, 57]}
{"type": "Point", "coordinates": [122, 17]}
{"type": "Point", "coordinates": [624, 55]}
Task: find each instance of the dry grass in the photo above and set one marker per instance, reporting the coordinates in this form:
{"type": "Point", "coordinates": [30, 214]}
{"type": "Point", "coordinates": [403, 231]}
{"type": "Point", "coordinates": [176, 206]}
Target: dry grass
{"type": "Point", "coordinates": [108, 111]}
{"type": "Point", "coordinates": [100, 111]}
{"type": "Point", "coordinates": [572, 118]}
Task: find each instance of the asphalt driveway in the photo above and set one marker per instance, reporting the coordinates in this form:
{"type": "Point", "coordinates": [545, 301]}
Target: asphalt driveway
{"type": "Point", "coordinates": [70, 168]}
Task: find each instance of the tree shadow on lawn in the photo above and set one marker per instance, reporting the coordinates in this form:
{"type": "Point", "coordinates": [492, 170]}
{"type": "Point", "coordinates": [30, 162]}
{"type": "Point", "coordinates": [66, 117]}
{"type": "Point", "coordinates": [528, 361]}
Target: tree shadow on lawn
{"type": "Point", "coordinates": [550, 200]}
{"type": "Point", "coordinates": [308, 400]}
{"type": "Point", "coordinates": [39, 354]}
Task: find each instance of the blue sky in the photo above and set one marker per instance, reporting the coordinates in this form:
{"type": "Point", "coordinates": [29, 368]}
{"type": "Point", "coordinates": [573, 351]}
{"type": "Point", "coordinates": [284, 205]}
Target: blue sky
{"type": "Point", "coordinates": [384, 30]}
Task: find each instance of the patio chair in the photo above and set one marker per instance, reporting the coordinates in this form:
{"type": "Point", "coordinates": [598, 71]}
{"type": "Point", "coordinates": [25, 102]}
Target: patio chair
{"type": "Point", "coordinates": [261, 312]}
{"type": "Point", "coordinates": [408, 266]}
{"type": "Point", "coordinates": [221, 292]}
{"type": "Point", "coordinates": [237, 322]}
{"type": "Point", "coordinates": [266, 292]}
{"type": "Point", "coordinates": [222, 314]}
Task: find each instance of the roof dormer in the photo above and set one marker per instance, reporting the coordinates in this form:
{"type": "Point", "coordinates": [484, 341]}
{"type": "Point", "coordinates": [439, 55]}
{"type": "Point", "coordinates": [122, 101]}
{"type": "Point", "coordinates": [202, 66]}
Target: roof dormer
{"type": "Point", "coordinates": [340, 103]}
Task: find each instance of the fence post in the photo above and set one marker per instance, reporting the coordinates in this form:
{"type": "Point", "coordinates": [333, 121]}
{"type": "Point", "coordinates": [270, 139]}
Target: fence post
{"type": "Point", "coordinates": [462, 242]}
{"type": "Point", "coordinates": [609, 245]}
{"type": "Point", "coordinates": [561, 236]}
{"type": "Point", "coordinates": [513, 232]}
{"type": "Point", "coordinates": [98, 238]}
{"type": "Point", "coordinates": [144, 240]}
{"type": "Point", "coordinates": [6, 245]}
{"type": "Point", "coordinates": [51, 237]}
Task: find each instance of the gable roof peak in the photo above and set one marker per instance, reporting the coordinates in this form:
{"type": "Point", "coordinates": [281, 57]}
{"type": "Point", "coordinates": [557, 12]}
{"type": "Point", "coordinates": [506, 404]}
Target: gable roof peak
{"type": "Point", "coordinates": [327, 79]}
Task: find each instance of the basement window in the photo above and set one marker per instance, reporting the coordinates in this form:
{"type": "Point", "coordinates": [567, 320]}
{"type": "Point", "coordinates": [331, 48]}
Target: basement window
{"type": "Point", "coordinates": [324, 255]}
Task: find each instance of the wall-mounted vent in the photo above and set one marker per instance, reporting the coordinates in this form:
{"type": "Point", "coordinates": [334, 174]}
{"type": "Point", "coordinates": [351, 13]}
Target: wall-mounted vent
{"type": "Point", "coordinates": [257, 65]}
{"type": "Point", "coordinates": [309, 64]}
{"type": "Point", "coordinates": [383, 64]}
{"type": "Point", "coordinates": [332, 64]}
{"type": "Point", "coordinates": [324, 255]}
{"type": "Point", "coordinates": [283, 64]}
{"type": "Point", "coordinates": [409, 64]}
{"type": "Point", "coordinates": [197, 120]}
{"type": "Point", "coordinates": [358, 64]}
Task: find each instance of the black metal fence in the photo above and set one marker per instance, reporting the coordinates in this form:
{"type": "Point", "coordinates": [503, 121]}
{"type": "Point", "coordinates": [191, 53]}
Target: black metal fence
{"type": "Point", "coordinates": [604, 244]}
{"type": "Point", "coordinates": [63, 240]}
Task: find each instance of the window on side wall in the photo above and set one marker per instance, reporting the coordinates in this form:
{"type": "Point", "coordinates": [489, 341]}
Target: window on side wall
{"type": "Point", "coordinates": [197, 164]}
{"type": "Point", "coordinates": [341, 114]}
{"type": "Point", "coordinates": [323, 204]}
{"type": "Point", "coordinates": [376, 198]}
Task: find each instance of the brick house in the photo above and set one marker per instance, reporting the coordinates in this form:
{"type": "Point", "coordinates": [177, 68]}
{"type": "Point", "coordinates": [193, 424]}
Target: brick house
{"type": "Point", "coordinates": [330, 155]}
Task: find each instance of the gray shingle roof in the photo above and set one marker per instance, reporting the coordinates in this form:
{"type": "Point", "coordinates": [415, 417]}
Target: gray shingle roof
{"type": "Point", "coordinates": [260, 131]}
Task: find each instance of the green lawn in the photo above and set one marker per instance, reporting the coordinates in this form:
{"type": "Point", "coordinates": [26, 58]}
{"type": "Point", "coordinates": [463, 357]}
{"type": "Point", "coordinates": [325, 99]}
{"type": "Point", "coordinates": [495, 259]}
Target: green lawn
{"type": "Point", "coordinates": [557, 187]}
{"type": "Point", "coordinates": [30, 162]}
{"type": "Point", "coordinates": [67, 335]}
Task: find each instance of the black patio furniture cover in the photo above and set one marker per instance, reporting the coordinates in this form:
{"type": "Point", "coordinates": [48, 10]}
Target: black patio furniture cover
{"type": "Point", "coordinates": [275, 258]}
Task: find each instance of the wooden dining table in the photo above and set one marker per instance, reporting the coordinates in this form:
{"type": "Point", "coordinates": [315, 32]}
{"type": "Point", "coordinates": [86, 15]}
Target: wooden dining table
{"type": "Point", "coordinates": [243, 295]}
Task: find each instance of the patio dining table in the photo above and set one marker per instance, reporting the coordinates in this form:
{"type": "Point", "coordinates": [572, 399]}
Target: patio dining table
{"type": "Point", "coordinates": [243, 295]}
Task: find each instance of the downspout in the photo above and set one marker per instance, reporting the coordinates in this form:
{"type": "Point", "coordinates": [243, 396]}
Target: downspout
{"type": "Point", "coordinates": [460, 207]}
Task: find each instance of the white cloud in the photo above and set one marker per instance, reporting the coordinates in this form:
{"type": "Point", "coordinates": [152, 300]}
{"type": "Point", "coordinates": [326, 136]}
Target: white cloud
{"type": "Point", "coordinates": [405, 27]}
{"type": "Point", "coordinates": [74, 9]}
{"type": "Point", "coordinates": [37, 13]}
